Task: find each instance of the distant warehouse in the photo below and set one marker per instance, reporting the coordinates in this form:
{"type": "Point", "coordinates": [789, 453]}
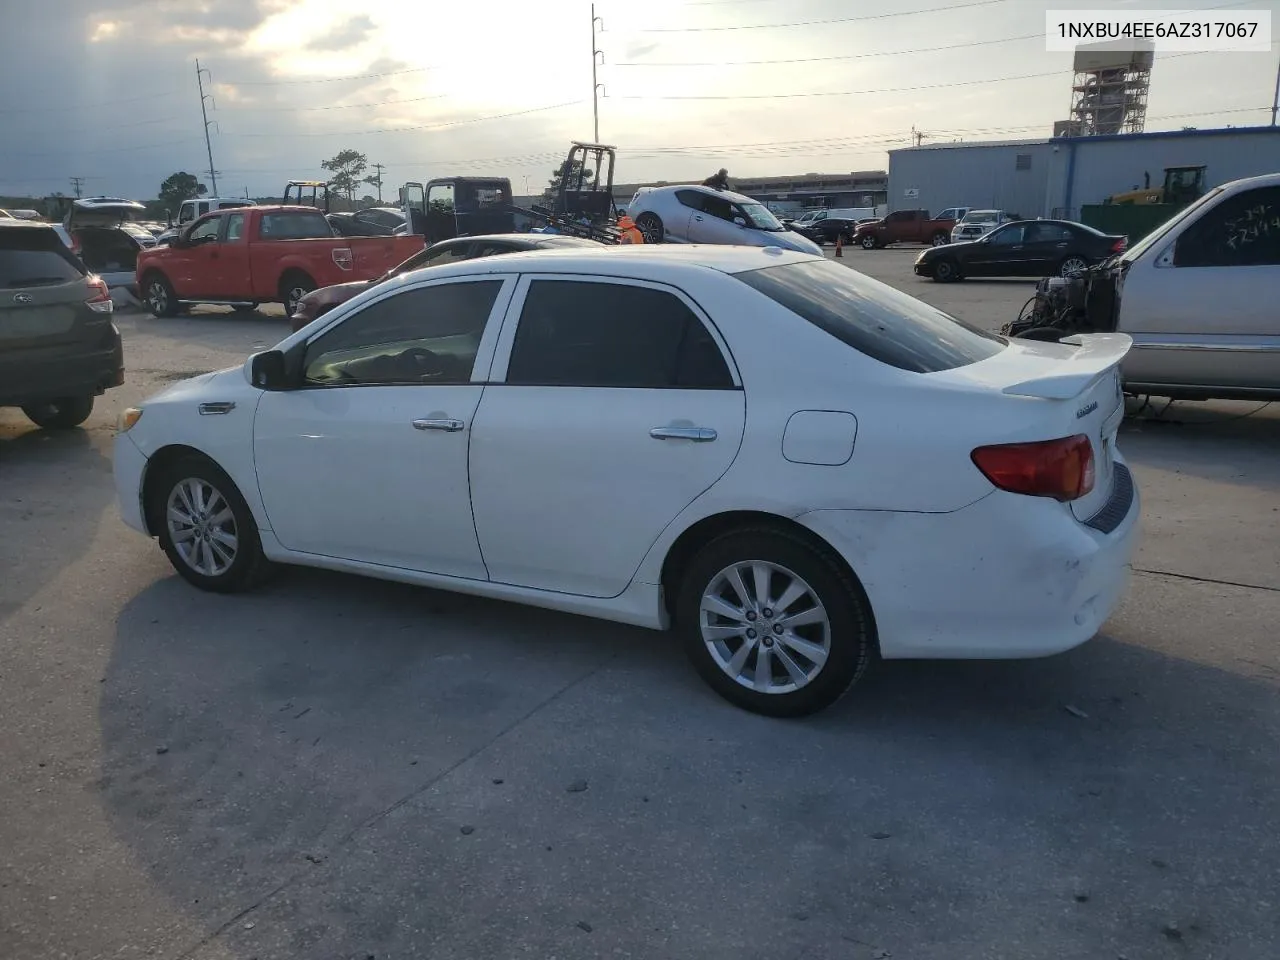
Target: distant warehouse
{"type": "Point", "coordinates": [1055, 176]}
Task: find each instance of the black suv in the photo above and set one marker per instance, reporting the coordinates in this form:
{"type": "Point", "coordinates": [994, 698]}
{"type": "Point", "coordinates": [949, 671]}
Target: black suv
{"type": "Point", "coordinates": [58, 346]}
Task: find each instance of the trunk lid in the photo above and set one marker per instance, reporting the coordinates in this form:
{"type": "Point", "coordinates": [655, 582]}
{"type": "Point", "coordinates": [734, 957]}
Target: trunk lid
{"type": "Point", "coordinates": [42, 291]}
{"type": "Point", "coordinates": [1066, 388]}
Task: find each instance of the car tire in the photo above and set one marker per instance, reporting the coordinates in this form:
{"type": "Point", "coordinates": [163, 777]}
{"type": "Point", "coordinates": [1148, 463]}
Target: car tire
{"type": "Point", "coordinates": [62, 413]}
{"type": "Point", "coordinates": [869, 242]}
{"type": "Point", "coordinates": [815, 667]}
{"type": "Point", "coordinates": [939, 239]}
{"type": "Point", "coordinates": [159, 296]}
{"type": "Point", "coordinates": [946, 270]}
{"type": "Point", "coordinates": [650, 225]}
{"type": "Point", "coordinates": [293, 287]}
{"type": "Point", "coordinates": [1072, 265]}
{"type": "Point", "coordinates": [205, 527]}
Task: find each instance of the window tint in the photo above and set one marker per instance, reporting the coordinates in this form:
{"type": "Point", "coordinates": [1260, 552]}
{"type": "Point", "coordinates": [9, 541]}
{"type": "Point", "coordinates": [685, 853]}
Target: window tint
{"type": "Point", "coordinates": [424, 336]}
{"type": "Point", "coordinates": [440, 198]}
{"type": "Point", "coordinates": [31, 258]}
{"type": "Point", "coordinates": [1243, 231]}
{"type": "Point", "coordinates": [872, 317]}
{"type": "Point", "coordinates": [235, 227]}
{"type": "Point", "coordinates": [294, 226]}
{"type": "Point", "coordinates": [690, 198]}
{"type": "Point", "coordinates": [590, 334]}
{"type": "Point", "coordinates": [1007, 236]}
{"type": "Point", "coordinates": [718, 207]}
{"type": "Point", "coordinates": [1048, 233]}
{"type": "Point", "coordinates": [491, 248]}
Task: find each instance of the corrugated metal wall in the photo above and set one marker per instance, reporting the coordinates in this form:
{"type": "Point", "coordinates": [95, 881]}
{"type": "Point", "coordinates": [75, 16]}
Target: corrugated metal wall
{"type": "Point", "coordinates": [970, 176]}
{"type": "Point", "coordinates": [987, 175]}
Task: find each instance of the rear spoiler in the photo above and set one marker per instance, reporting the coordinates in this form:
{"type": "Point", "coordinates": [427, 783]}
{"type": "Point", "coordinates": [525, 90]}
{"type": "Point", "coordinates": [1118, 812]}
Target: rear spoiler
{"type": "Point", "coordinates": [1097, 353]}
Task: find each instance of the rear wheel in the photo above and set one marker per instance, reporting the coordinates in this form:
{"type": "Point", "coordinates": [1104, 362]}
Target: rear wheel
{"type": "Point", "coordinates": [946, 271]}
{"type": "Point", "coordinates": [1073, 265]}
{"type": "Point", "coordinates": [293, 287]}
{"type": "Point", "coordinates": [60, 414]}
{"type": "Point", "coordinates": [161, 300]}
{"type": "Point", "coordinates": [773, 622]}
{"type": "Point", "coordinates": [650, 224]}
{"type": "Point", "coordinates": [205, 527]}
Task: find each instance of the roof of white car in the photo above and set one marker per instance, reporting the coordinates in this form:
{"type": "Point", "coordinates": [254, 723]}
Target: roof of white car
{"type": "Point", "coordinates": [699, 188]}
{"type": "Point", "coordinates": [625, 260]}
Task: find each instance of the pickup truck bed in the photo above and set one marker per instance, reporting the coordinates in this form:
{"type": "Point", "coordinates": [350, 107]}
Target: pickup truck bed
{"type": "Point", "coordinates": [244, 257]}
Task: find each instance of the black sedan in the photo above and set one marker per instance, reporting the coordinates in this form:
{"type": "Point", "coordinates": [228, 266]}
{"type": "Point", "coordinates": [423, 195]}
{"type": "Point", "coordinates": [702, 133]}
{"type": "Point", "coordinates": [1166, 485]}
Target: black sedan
{"type": "Point", "coordinates": [1025, 248]}
{"type": "Point", "coordinates": [830, 229]}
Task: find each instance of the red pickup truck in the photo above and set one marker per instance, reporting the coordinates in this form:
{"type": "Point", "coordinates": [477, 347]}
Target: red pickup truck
{"type": "Point", "coordinates": [904, 226]}
{"type": "Point", "coordinates": [251, 255]}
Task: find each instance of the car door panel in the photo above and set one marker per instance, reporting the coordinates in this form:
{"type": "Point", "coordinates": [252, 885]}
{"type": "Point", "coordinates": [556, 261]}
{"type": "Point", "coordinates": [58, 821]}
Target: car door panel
{"type": "Point", "coordinates": [377, 472]}
{"type": "Point", "coordinates": [1201, 308]}
{"type": "Point", "coordinates": [231, 257]}
{"type": "Point", "coordinates": [553, 464]}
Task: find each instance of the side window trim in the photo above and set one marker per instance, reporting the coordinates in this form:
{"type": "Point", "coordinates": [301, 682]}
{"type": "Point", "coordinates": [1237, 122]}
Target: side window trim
{"type": "Point", "coordinates": [488, 340]}
{"type": "Point", "coordinates": [511, 321]}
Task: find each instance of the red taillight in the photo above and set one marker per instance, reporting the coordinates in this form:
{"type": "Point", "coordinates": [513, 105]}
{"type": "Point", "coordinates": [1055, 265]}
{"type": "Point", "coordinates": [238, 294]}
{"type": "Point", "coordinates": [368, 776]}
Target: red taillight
{"type": "Point", "coordinates": [343, 258]}
{"type": "Point", "coordinates": [1062, 469]}
{"type": "Point", "coordinates": [1119, 245]}
{"type": "Point", "coordinates": [99, 299]}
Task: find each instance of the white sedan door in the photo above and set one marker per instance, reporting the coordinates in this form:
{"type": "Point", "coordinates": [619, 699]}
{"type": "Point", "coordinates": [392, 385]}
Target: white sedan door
{"type": "Point", "coordinates": [613, 406]}
{"type": "Point", "coordinates": [366, 459]}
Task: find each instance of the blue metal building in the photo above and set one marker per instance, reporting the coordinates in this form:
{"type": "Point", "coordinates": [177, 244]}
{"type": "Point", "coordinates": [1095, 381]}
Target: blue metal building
{"type": "Point", "coordinates": [1054, 177]}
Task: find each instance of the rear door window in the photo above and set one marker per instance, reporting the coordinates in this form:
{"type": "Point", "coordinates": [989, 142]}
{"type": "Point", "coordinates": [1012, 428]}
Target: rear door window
{"type": "Point", "coordinates": [35, 258]}
{"type": "Point", "coordinates": [872, 317]}
{"type": "Point", "coordinates": [1242, 231]}
{"type": "Point", "coordinates": [294, 226]}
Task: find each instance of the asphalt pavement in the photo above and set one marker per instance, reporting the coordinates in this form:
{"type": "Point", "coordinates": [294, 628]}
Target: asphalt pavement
{"type": "Point", "coordinates": [340, 768]}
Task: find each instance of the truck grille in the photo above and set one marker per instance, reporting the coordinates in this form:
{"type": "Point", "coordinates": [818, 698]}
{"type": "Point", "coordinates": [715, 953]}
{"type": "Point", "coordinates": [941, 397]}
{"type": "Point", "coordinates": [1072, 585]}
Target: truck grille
{"type": "Point", "coordinates": [1117, 506]}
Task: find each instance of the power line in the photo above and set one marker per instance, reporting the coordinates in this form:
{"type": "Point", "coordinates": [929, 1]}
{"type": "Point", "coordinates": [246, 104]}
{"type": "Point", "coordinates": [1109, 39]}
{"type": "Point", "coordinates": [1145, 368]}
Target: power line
{"type": "Point", "coordinates": [340, 106]}
{"type": "Point", "coordinates": [850, 56]}
{"type": "Point", "coordinates": [424, 126]}
{"type": "Point", "coordinates": [354, 76]}
{"type": "Point", "coordinates": [815, 23]}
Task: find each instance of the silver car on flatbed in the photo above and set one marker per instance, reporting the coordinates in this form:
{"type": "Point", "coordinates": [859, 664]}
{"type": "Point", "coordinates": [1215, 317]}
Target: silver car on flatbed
{"type": "Point", "coordinates": [696, 214]}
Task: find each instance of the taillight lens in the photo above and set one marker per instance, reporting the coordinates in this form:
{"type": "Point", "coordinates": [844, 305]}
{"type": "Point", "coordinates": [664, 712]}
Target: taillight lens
{"type": "Point", "coordinates": [1061, 469]}
{"type": "Point", "coordinates": [99, 300]}
{"type": "Point", "coordinates": [343, 258]}
{"type": "Point", "coordinates": [1120, 245]}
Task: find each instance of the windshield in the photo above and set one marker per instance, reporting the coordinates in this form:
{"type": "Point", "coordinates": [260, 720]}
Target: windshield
{"type": "Point", "coordinates": [982, 216]}
{"type": "Point", "coordinates": [1156, 235]}
{"type": "Point", "coordinates": [761, 217]}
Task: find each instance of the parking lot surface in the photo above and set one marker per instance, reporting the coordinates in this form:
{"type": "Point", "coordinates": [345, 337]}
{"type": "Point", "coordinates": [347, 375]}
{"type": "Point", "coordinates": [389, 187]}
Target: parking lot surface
{"type": "Point", "coordinates": [335, 767]}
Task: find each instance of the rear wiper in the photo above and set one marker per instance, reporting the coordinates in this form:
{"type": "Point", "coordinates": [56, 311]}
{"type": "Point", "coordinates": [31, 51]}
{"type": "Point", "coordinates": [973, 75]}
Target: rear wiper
{"type": "Point", "coordinates": [35, 282]}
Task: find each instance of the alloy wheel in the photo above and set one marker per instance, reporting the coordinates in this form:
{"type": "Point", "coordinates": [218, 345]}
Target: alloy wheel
{"type": "Point", "coordinates": [1073, 265]}
{"type": "Point", "coordinates": [765, 627]}
{"type": "Point", "coordinates": [202, 526]}
{"type": "Point", "coordinates": [158, 297]}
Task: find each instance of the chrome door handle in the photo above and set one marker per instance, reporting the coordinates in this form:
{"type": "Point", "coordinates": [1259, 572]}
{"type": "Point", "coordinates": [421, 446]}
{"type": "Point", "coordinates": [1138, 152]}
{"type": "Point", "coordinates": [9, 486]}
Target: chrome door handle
{"type": "Point", "coordinates": [696, 434]}
{"type": "Point", "coordinates": [699, 219]}
{"type": "Point", "coordinates": [448, 426]}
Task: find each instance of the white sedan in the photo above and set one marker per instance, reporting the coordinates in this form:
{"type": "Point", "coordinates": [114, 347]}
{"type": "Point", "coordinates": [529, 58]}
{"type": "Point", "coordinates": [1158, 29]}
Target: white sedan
{"type": "Point", "coordinates": [794, 465]}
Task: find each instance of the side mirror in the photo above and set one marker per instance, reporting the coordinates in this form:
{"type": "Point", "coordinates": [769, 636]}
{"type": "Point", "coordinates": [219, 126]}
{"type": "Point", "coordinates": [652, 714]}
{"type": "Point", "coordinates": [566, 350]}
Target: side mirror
{"type": "Point", "coordinates": [739, 221]}
{"type": "Point", "coordinates": [267, 371]}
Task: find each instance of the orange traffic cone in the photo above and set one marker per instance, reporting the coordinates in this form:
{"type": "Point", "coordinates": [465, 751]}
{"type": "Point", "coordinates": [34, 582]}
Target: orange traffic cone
{"type": "Point", "coordinates": [839, 247]}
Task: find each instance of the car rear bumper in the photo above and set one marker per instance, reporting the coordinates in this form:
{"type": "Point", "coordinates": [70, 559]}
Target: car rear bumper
{"type": "Point", "coordinates": [128, 464]}
{"type": "Point", "coordinates": [30, 375]}
{"type": "Point", "coordinates": [1007, 577]}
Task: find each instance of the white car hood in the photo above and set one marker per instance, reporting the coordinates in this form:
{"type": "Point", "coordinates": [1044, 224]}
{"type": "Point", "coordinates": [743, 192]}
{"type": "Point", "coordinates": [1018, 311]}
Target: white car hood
{"type": "Point", "coordinates": [220, 382]}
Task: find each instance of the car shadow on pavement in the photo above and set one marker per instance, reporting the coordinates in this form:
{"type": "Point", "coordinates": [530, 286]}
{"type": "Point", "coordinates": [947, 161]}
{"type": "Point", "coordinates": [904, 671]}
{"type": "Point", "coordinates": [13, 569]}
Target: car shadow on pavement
{"type": "Point", "coordinates": [366, 767]}
{"type": "Point", "coordinates": [54, 488]}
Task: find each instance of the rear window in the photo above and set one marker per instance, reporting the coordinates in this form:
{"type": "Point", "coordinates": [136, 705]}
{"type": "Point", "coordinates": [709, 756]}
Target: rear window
{"type": "Point", "coordinates": [35, 258]}
{"type": "Point", "coordinates": [874, 318]}
{"type": "Point", "coordinates": [569, 242]}
{"type": "Point", "coordinates": [294, 226]}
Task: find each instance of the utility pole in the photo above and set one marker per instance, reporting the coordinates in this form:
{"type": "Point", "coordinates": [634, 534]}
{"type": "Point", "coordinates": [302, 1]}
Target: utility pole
{"type": "Point", "coordinates": [377, 181]}
{"type": "Point", "coordinates": [77, 182]}
{"type": "Point", "coordinates": [597, 57]}
{"type": "Point", "coordinates": [204, 115]}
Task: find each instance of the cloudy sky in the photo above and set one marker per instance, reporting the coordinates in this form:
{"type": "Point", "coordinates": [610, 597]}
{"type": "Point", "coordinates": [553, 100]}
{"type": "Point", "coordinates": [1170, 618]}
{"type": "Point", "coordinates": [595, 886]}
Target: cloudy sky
{"type": "Point", "coordinates": [106, 89]}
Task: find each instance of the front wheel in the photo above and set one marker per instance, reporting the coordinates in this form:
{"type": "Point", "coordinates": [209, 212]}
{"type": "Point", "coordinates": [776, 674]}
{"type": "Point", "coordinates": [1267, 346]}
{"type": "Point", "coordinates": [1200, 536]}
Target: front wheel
{"type": "Point", "coordinates": [161, 300]}
{"type": "Point", "coordinates": [869, 242]}
{"type": "Point", "coordinates": [939, 239]}
{"type": "Point", "coordinates": [774, 623]}
{"type": "Point", "coordinates": [650, 225]}
{"type": "Point", "coordinates": [946, 271]}
{"type": "Point", "coordinates": [205, 527]}
{"type": "Point", "coordinates": [60, 414]}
